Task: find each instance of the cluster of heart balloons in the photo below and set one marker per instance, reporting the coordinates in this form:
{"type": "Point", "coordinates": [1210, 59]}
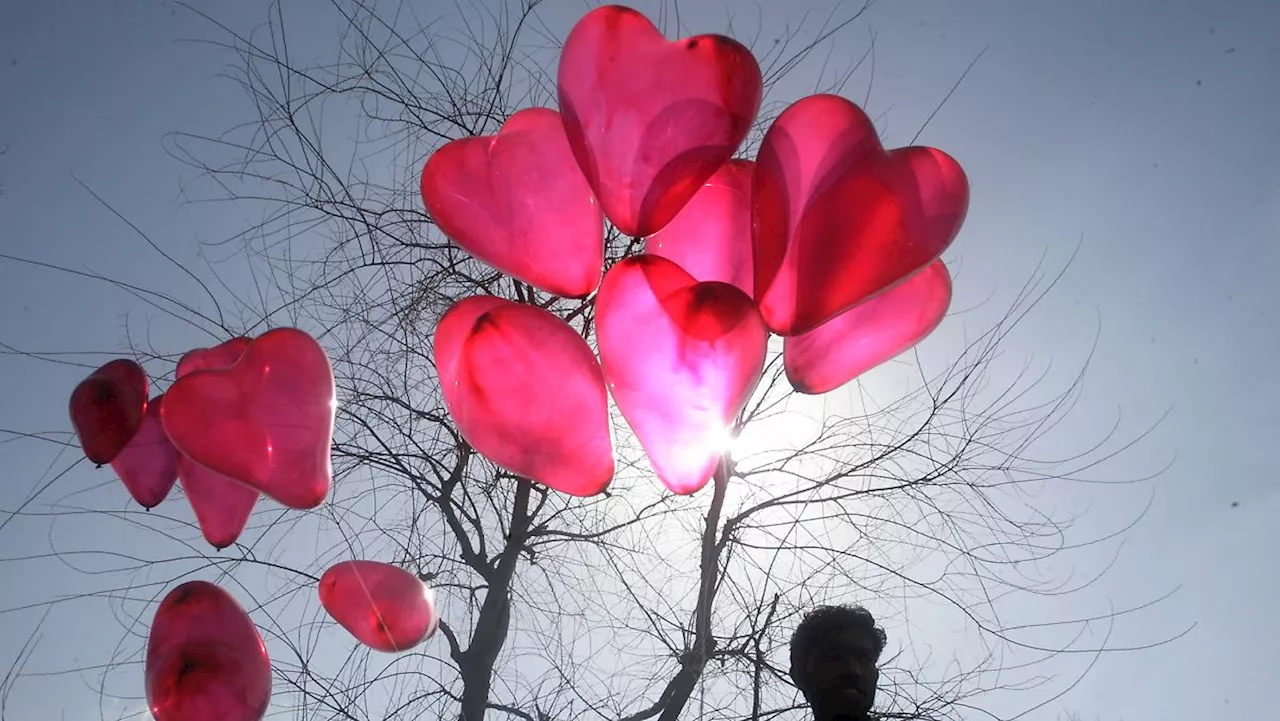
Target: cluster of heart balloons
{"type": "Point", "coordinates": [826, 239]}
{"type": "Point", "coordinates": [244, 418]}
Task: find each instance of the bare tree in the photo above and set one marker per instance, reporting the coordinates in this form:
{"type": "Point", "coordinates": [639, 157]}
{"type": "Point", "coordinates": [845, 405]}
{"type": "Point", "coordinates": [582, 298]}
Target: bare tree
{"type": "Point", "coordinates": [636, 604]}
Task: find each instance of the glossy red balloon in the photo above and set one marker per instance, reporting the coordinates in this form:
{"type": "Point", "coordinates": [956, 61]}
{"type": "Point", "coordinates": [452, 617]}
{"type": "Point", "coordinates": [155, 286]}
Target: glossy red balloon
{"type": "Point", "coordinates": [838, 219]}
{"type": "Point", "coordinates": [205, 659]}
{"type": "Point", "coordinates": [107, 409]}
{"type": "Point", "coordinates": [222, 505]}
{"type": "Point", "coordinates": [518, 201]}
{"type": "Point", "coordinates": [218, 357]}
{"type": "Point", "coordinates": [681, 359]}
{"type": "Point", "coordinates": [527, 392]}
{"type": "Point", "coordinates": [650, 120]}
{"type": "Point", "coordinates": [385, 607]}
{"type": "Point", "coordinates": [868, 334]}
{"type": "Point", "coordinates": [266, 421]}
{"type": "Point", "coordinates": [711, 237]}
{"type": "Point", "coordinates": [148, 465]}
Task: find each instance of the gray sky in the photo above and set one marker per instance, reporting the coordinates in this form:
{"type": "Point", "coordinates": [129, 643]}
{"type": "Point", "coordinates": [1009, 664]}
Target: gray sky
{"type": "Point", "coordinates": [1146, 128]}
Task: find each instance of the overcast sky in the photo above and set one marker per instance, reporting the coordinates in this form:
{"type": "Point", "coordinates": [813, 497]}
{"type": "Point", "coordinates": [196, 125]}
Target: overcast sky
{"type": "Point", "coordinates": [1145, 131]}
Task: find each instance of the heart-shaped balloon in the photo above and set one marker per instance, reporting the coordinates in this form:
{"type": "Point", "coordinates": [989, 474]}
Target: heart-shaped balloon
{"type": "Point", "coordinates": [518, 201]}
{"type": "Point", "coordinates": [205, 659]}
{"type": "Point", "coordinates": [869, 333]}
{"type": "Point", "coordinates": [148, 464]}
{"type": "Point", "coordinates": [107, 409]}
{"type": "Point", "coordinates": [681, 359]}
{"type": "Point", "coordinates": [527, 392]}
{"type": "Point", "coordinates": [385, 607]}
{"type": "Point", "coordinates": [222, 505]}
{"type": "Point", "coordinates": [650, 120]}
{"type": "Point", "coordinates": [837, 219]}
{"type": "Point", "coordinates": [711, 237]}
{"type": "Point", "coordinates": [266, 421]}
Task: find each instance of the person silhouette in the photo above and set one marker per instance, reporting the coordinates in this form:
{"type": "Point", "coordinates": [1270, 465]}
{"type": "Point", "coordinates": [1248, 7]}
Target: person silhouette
{"type": "Point", "coordinates": [834, 652]}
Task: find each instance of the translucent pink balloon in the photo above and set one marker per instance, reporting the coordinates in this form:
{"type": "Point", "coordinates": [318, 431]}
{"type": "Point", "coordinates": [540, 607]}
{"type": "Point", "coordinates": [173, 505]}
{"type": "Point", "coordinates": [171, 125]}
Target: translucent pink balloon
{"type": "Point", "coordinates": [148, 464]}
{"type": "Point", "coordinates": [385, 607]}
{"type": "Point", "coordinates": [527, 392]}
{"type": "Point", "coordinates": [681, 359]}
{"type": "Point", "coordinates": [220, 356]}
{"type": "Point", "coordinates": [107, 409]}
{"type": "Point", "coordinates": [205, 659]}
{"type": "Point", "coordinates": [868, 334]}
{"type": "Point", "coordinates": [711, 237]}
{"type": "Point", "coordinates": [650, 120]}
{"type": "Point", "coordinates": [222, 506]}
{"type": "Point", "coordinates": [518, 201]}
{"type": "Point", "coordinates": [266, 421]}
{"type": "Point", "coordinates": [839, 220]}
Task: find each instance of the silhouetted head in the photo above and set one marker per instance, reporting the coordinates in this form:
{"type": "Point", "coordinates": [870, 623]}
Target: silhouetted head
{"type": "Point", "coordinates": [834, 652]}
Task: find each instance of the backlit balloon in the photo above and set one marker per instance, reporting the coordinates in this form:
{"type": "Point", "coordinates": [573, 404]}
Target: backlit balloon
{"type": "Point", "coordinates": [222, 505]}
{"type": "Point", "coordinates": [837, 219]}
{"type": "Point", "coordinates": [385, 607]}
{"type": "Point", "coordinates": [526, 392]}
{"type": "Point", "coordinates": [148, 464]}
{"type": "Point", "coordinates": [518, 201]}
{"type": "Point", "coordinates": [107, 409]}
{"type": "Point", "coordinates": [650, 120]}
{"type": "Point", "coordinates": [868, 334]}
{"type": "Point", "coordinates": [711, 237]}
{"type": "Point", "coordinates": [266, 421]}
{"type": "Point", "coordinates": [220, 356]}
{"type": "Point", "coordinates": [681, 359]}
{"type": "Point", "coordinates": [205, 660]}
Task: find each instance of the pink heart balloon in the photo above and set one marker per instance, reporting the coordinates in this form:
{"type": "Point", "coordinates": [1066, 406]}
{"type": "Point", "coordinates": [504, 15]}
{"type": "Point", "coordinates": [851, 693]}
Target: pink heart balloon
{"type": "Point", "coordinates": [681, 359]}
{"type": "Point", "coordinates": [221, 504]}
{"type": "Point", "coordinates": [518, 201]}
{"type": "Point", "coordinates": [266, 421]}
{"type": "Point", "coordinates": [107, 409]}
{"type": "Point", "coordinates": [711, 237]}
{"type": "Point", "coordinates": [838, 219]}
{"type": "Point", "coordinates": [868, 334]}
{"type": "Point", "coordinates": [148, 464]}
{"type": "Point", "coordinates": [527, 392]}
{"type": "Point", "coordinates": [650, 120]}
{"type": "Point", "coordinates": [205, 659]}
{"type": "Point", "coordinates": [385, 607]}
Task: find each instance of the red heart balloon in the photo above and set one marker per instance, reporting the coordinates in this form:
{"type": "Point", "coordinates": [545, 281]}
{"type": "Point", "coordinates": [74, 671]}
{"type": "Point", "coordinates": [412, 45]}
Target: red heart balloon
{"type": "Point", "coordinates": [518, 201]}
{"type": "Point", "coordinates": [107, 409]}
{"type": "Point", "coordinates": [838, 219]}
{"type": "Point", "coordinates": [650, 120]}
{"type": "Point", "coordinates": [681, 359]}
{"type": "Point", "coordinates": [148, 464]}
{"type": "Point", "coordinates": [205, 659]}
{"type": "Point", "coordinates": [222, 505]}
{"type": "Point", "coordinates": [527, 392]}
{"type": "Point", "coordinates": [385, 607]}
{"type": "Point", "coordinates": [868, 334]}
{"type": "Point", "coordinates": [711, 237]}
{"type": "Point", "coordinates": [266, 421]}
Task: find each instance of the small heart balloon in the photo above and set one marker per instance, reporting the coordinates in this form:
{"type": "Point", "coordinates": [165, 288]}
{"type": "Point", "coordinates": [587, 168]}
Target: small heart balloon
{"type": "Point", "coordinates": [107, 409]}
{"type": "Point", "coordinates": [681, 359]}
{"type": "Point", "coordinates": [838, 220]}
{"type": "Point", "coordinates": [869, 333]}
{"type": "Point", "coordinates": [222, 505]}
{"type": "Point", "coordinates": [711, 237]}
{"type": "Point", "coordinates": [148, 464]}
{"type": "Point", "coordinates": [385, 607]}
{"type": "Point", "coordinates": [650, 120]}
{"type": "Point", "coordinates": [205, 659]}
{"type": "Point", "coordinates": [527, 392]}
{"type": "Point", "coordinates": [518, 201]}
{"type": "Point", "coordinates": [266, 421]}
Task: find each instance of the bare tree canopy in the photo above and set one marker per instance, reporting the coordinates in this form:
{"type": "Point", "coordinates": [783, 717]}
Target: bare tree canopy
{"type": "Point", "coordinates": [635, 604]}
